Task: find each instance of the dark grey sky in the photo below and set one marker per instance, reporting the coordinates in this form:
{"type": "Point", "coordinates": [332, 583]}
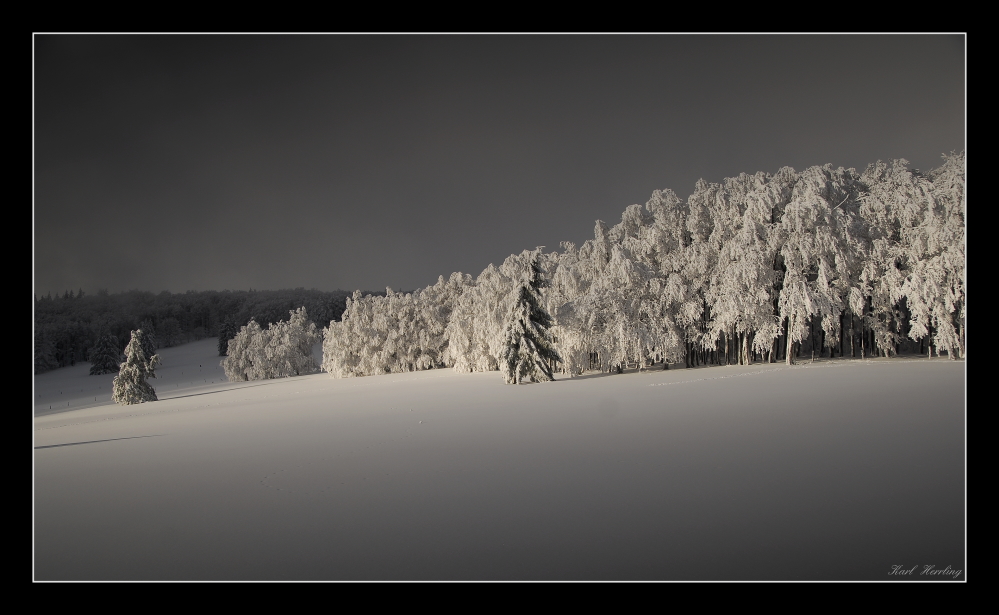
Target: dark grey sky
{"type": "Point", "coordinates": [167, 162]}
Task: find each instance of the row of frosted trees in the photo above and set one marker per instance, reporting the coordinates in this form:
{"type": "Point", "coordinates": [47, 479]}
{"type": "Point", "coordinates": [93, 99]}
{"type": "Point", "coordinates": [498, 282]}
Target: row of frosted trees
{"type": "Point", "coordinates": [283, 349]}
{"type": "Point", "coordinates": [757, 268]}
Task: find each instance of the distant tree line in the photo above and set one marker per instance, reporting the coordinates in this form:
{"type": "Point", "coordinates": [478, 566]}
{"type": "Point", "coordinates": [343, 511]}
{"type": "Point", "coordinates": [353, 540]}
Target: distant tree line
{"type": "Point", "coordinates": [77, 325]}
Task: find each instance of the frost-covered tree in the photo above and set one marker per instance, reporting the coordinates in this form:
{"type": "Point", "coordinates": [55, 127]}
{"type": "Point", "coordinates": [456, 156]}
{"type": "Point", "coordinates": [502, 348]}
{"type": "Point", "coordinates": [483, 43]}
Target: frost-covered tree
{"type": "Point", "coordinates": [105, 357]}
{"type": "Point", "coordinates": [700, 263]}
{"type": "Point", "coordinates": [288, 351]}
{"type": "Point", "coordinates": [570, 285]}
{"type": "Point", "coordinates": [913, 274]}
{"type": "Point", "coordinates": [130, 386]}
{"type": "Point", "coordinates": [817, 252]}
{"type": "Point", "coordinates": [474, 332]}
{"type": "Point", "coordinates": [662, 248]}
{"type": "Point", "coordinates": [283, 349]}
{"type": "Point", "coordinates": [528, 351]}
{"type": "Point", "coordinates": [740, 291]}
{"type": "Point", "coordinates": [400, 332]}
{"type": "Point", "coordinates": [244, 354]}
{"type": "Point", "coordinates": [893, 203]}
{"type": "Point", "coordinates": [599, 294]}
{"type": "Point", "coordinates": [934, 287]}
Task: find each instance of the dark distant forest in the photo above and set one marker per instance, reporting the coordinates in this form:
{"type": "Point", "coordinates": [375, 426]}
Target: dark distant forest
{"type": "Point", "coordinates": [67, 327]}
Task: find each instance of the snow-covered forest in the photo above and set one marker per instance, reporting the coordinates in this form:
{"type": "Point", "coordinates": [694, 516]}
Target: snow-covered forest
{"type": "Point", "coordinates": [765, 267]}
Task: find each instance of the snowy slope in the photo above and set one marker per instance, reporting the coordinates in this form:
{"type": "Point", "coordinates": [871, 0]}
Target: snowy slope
{"type": "Point", "coordinates": [835, 470]}
{"type": "Point", "coordinates": [187, 369]}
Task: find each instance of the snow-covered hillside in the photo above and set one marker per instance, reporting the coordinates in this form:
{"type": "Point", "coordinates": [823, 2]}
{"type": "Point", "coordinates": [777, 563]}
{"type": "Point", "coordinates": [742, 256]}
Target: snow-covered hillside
{"type": "Point", "coordinates": [838, 469]}
{"type": "Point", "coordinates": [192, 368]}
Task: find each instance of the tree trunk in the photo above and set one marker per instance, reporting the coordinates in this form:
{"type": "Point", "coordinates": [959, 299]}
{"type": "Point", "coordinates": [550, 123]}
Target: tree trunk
{"type": "Point", "coordinates": [811, 336]}
{"type": "Point", "coordinates": [842, 334]}
{"type": "Point", "coordinates": [853, 347]}
{"type": "Point", "coordinates": [960, 332]}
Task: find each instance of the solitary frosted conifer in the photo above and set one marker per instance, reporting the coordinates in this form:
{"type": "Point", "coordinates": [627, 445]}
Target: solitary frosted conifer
{"type": "Point", "coordinates": [528, 349]}
{"type": "Point", "coordinates": [130, 386]}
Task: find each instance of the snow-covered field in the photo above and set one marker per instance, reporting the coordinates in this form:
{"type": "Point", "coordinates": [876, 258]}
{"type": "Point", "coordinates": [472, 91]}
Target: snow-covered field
{"type": "Point", "coordinates": [839, 469]}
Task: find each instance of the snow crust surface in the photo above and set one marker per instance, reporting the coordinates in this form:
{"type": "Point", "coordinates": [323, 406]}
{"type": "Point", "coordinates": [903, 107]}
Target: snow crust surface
{"type": "Point", "coordinates": [839, 469]}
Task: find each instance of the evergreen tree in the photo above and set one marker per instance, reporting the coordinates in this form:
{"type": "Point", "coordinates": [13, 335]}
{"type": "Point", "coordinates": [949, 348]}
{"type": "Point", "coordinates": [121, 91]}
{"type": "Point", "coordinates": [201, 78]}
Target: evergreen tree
{"type": "Point", "coordinates": [528, 348]}
{"type": "Point", "coordinates": [130, 386]}
{"type": "Point", "coordinates": [170, 333]}
{"type": "Point", "coordinates": [227, 331]}
{"type": "Point", "coordinates": [44, 352]}
{"type": "Point", "coordinates": [149, 342]}
{"type": "Point", "coordinates": [105, 358]}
